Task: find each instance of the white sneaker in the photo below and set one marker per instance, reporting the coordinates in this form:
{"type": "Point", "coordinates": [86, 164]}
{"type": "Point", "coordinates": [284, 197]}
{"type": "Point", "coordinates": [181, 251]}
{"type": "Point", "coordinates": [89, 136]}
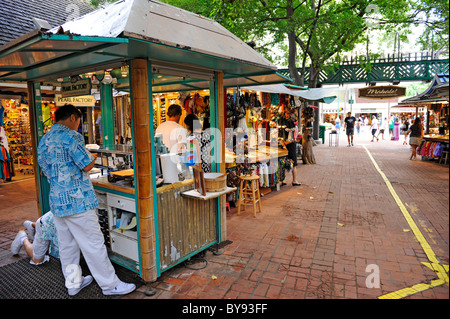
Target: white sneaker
{"type": "Point", "coordinates": [31, 231]}
{"type": "Point", "coordinates": [86, 282]}
{"type": "Point", "coordinates": [17, 242]}
{"type": "Point", "coordinates": [121, 289]}
{"type": "Point", "coordinates": [46, 259]}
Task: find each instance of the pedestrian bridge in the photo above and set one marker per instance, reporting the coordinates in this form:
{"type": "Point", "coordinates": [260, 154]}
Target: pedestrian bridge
{"type": "Point", "coordinates": [421, 66]}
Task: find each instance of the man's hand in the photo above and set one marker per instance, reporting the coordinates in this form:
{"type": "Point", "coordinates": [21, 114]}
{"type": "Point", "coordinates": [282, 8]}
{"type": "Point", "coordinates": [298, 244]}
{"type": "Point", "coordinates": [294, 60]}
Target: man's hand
{"type": "Point", "coordinates": [91, 165]}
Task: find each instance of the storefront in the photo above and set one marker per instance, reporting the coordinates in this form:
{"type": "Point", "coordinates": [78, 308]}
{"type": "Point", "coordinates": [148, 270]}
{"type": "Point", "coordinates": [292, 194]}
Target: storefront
{"type": "Point", "coordinates": [147, 228]}
{"type": "Point", "coordinates": [435, 102]}
{"type": "Point", "coordinates": [259, 120]}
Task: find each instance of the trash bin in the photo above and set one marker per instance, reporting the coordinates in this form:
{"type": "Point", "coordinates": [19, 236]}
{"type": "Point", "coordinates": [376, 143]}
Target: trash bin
{"type": "Point", "coordinates": [322, 129]}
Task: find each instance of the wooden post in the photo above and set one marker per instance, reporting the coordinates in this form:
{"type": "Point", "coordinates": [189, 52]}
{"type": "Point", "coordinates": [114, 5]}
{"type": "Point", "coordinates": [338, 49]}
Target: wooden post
{"type": "Point", "coordinates": [143, 168]}
{"type": "Point", "coordinates": [221, 126]}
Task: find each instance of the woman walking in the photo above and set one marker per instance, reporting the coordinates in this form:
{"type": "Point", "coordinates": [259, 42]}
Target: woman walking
{"type": "Point", "coordinates": [415, 138]}
{"type": "Point", "coordinates": [405, 128]}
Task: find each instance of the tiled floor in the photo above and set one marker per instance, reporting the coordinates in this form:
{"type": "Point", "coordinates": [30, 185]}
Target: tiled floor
{"type": "Point", "coordinates": [320, 240]}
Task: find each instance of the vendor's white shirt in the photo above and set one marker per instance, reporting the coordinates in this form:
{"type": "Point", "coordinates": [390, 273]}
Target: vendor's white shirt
{"type": "Point", "coordinates": [173, 133]}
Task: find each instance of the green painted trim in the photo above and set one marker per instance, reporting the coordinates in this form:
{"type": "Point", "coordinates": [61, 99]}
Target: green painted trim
{"type": "Point", "coordinates": [381, 72]}
{"type": "Point", "coordinates": [215, 159]}
{"type": "Point", "coordinates": [155, 194]}
{"type": "Point", "coordinates": [124, 262]}
{"type": "Point", "coordinates": [44, 186]}
{"type": "Point", "coordinates": [113, 191]}
{"type": "Point", "coordinates": [107, 105]}
{"type": "Point", "coordinates": [65, 37]}
{"type": "Point", "coordinates": [190, 255]}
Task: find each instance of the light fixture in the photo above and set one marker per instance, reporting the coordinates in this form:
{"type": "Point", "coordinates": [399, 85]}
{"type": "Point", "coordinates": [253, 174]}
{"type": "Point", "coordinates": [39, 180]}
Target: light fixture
{"type": "Point", "coordinates": [396, 82]}
{"type": "Point", "coordinates": [123, 71]}
{"type": "Point", "coordinates": [107, 79]}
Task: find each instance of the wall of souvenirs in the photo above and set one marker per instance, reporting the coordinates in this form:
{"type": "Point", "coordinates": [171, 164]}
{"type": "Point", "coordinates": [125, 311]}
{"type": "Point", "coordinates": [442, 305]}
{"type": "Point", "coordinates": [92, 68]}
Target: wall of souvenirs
{"type": "Point", "coordinates": [16, 124]}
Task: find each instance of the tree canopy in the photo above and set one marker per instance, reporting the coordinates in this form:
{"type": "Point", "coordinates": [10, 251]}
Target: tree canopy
{"type": "Point", "coordinates": [316, 33]}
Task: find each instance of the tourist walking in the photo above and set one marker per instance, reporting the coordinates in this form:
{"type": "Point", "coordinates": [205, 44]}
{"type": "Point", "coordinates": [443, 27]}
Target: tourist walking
{"type": "Point", "coordinates": [405, 128]}
{"type": "Point", "coordinates": [358, 126]}
{"type": "Point", "coordinates": [338, 124]}
{"type": "Point", "coordinates": [374, 127]}
{"type": "Point", "coordinates": [391, 126]}
{"type": "Point", "coordinates": [416, 131]}
{"type": "Point", "coordinates": [349, 126]}
{"type": "Point", "coordinates": [383, 128]}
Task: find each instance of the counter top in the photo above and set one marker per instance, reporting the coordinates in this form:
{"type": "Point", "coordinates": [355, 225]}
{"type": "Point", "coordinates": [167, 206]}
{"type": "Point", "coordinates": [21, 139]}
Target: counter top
{"type": "Point", "coordinates": [102, 181]}
{"type": "Point", "coordinates": [194, 194]}
{"type": "Point", "coordinates": [437, 138]}
{"type": "Point", "coordinates": [257, 155]}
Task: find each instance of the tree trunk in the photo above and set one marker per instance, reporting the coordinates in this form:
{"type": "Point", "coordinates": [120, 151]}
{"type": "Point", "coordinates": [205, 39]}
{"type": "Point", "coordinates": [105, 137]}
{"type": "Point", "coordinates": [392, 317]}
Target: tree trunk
{"type": "Point", "coordinates": [310, 133]}
{"type": "Point", "coordinates": [292, 58]}
{"type": "Point", "coordinates": [307, 153]}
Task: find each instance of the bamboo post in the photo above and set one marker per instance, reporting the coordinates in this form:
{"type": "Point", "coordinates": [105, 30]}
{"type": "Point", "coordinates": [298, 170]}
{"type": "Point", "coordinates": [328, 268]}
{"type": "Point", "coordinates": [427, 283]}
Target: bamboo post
{"type": "Point", "coordinates": [221, 126]}
{"type": "Point", "coordinates": [142, 106]}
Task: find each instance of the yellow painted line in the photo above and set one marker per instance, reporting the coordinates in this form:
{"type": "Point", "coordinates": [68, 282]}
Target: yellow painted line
{"type": "Point", "coordinates": [435, 265]}
{"type": "Point", "coordinates": [412, 290]}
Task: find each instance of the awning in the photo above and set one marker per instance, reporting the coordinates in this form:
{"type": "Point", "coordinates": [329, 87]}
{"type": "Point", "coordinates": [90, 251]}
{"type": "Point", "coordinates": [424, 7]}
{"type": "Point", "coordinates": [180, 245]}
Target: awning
{"type": "Point", "coordinates": [129, 29]}
{"type": "Point", "coordinates": [274, 88]}
{"type": "Point", "coordinates": [435, 93]}
{"type": "Point", "coordinates": [318, 95]}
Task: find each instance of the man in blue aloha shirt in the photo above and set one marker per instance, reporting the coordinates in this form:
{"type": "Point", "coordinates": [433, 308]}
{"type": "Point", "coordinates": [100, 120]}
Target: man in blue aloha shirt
{"type": "Point", "coordinates": [66, 163]}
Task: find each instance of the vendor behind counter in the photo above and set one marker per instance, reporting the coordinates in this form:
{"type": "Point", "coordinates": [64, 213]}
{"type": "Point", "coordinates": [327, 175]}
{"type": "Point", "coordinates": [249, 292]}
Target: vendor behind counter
{"type": "Point", "coordinates": [173, 133]}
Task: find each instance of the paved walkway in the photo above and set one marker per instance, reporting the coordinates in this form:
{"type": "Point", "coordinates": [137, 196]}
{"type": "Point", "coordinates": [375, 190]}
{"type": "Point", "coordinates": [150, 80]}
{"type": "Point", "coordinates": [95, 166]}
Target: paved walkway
{"type": "Point", "coordinates": [333, 237]}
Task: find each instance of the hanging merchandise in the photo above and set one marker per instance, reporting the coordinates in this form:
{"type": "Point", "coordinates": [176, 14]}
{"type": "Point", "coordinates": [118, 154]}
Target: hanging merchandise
{"type": "Point", "coordinates": [6, 164]}
{"type": "Point", "coordinates": [191, 154]}
{"type": "Point", "coordinates": [17, 129]}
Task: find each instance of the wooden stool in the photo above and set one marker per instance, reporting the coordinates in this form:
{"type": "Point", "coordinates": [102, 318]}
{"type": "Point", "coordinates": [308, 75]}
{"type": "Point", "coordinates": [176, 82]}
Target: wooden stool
{"type": "Point", "coordinates": [249, 193]}
{"type": "Point", "coordinates": [444, 157]}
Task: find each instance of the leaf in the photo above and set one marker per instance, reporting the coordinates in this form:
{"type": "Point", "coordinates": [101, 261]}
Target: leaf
{"type": "Point", "coordinates": [339, 224]}
{"type": "Point", "coordinates": [213, 277]}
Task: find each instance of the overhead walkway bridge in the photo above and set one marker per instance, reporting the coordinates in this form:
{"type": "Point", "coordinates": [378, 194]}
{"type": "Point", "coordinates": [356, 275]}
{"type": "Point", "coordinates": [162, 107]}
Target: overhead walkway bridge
{"type": "Point", "coordinates": [411, 67]}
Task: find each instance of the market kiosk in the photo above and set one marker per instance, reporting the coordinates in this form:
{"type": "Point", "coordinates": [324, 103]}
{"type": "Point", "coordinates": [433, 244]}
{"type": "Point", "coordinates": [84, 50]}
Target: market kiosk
{"type": "Point", "coordinates": [139, 47]}
{"type": "Point", "coordinates": [435, 100]}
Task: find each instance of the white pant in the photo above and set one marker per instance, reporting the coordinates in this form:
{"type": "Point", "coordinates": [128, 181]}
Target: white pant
{"type": "Point", "coordinates": [82, 232]}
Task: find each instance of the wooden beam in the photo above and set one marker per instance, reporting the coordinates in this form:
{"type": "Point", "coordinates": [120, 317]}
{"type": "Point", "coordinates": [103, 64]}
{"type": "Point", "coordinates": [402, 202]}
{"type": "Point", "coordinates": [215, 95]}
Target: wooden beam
{"type": "Point", "coordinates": [143, 168]}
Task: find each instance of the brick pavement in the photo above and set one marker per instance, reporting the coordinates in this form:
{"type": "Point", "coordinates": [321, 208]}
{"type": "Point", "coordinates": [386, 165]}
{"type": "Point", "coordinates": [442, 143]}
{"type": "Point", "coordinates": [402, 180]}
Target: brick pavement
{"type": "Point", "coordinates": [316, 240]}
